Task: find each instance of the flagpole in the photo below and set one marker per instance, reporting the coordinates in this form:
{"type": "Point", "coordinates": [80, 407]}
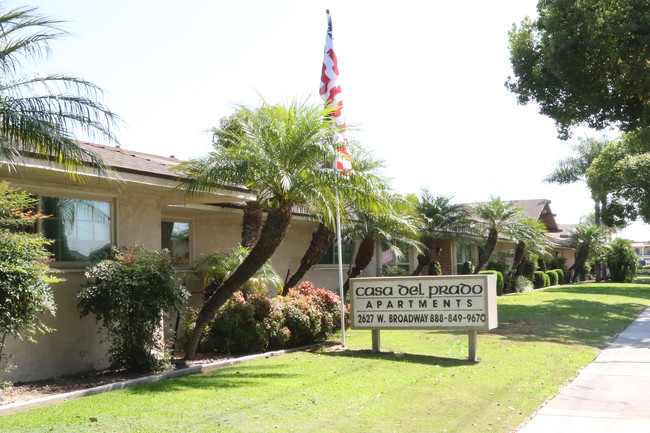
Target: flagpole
{"type": "Point", "coordinates": [340, 250]}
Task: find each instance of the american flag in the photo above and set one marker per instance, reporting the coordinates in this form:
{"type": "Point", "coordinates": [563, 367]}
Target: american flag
{"type": "Point", "coordinates": [330, 91]}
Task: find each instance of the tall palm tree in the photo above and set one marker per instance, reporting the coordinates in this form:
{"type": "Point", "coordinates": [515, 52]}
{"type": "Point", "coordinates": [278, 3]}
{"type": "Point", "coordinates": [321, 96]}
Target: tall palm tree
{"type": "Point", "coordinates": [325, 234]}
{"type": "Point", "coordinates": [440, 218]}
{"type": "Point", "coordinates": [40, 114]}
{"type": "Point", "coordinates": [496, 217]}
{"type": "Point", "coordinates": [574, 169]}
{"type": "Point", "coordinates": [531, 239]}
{"type": "Point", "coordinates": [587, 241]}
{"type": "Point", "coordinates": [395, 226]}
{"type": "Point", "coordinates": [279, 154]}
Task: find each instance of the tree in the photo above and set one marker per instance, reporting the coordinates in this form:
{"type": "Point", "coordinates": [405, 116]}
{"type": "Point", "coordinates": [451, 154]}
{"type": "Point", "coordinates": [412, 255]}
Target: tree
{"type": "Point", "coordinates": [279, 155]}
{"type": "Point", "coordinates": [440, 218]}
{"type": "Point", "coordinates": [40, 114]}
{"type": "Point", "coordinates": [621, 174]}
{"type": "Point", "coordinates": [496, 217]}
{"type": "Point", "coordinates": [24, 272]}
{"type": "Point", "coordinates": [531, 239]}
{"type": "Point", "coordinates": [325, 234]}
{"type": "Point", "coordinates": [584, 62]}
{"type": "Point", "coordinates": [621, 260]}
{"type": "Point", "coordinates": [587, 241]}
{"type": "Point", "coordinates": [395, 226]}
{"type": "Point", "coordinates": [574, 169]}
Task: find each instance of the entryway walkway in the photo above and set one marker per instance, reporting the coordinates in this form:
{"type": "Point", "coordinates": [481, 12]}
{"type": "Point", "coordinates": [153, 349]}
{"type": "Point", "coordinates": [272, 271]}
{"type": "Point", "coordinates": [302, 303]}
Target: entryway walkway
{"type": "Point", "coordinates": [612, 394]}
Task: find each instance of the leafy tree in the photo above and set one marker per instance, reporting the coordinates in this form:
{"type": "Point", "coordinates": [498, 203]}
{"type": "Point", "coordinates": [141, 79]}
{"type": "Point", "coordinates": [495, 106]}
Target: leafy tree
{"type": "Point", "coordinates": [25, 293]}
{"type": "Point", "coordinates": [622, 173]}
{"type": "Point", "coordinates": [496, 217]}
{"type": "Point", "coordinates": [621, 260]}
{"type": "Point", "coordinates": [280, 156]}
{"type": "Point", "coordinates": [129, 294]}
{"type": "Point", "coordinates": [587, 241]}
{"type": "Point", "coordinates": [585, 62]}
{"type": "Point", "coordinates": [40, 114]}
{"type": "Point", "coordinates": [441, 218]}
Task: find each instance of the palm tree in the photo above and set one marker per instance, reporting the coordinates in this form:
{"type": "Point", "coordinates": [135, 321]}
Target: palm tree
{"type": "Point", "coordinates": [531, 239]}
{"type": "Point", "coordinates": [574, 169]}
{"type": "Point", "coordinates": [395, 226]}
{"type": "Point", "coordinates": [325, 234]}
{"type": "Point", "coordinates": [440, 218]}
{"type": "Point", "coordinates": [496, 217]}
{"type": "Point", "coordinates": [587, 241]}
{"type": "Point", "coordinates": [40, 114]}
{"type": "Point", "coordinates": [279, 154]}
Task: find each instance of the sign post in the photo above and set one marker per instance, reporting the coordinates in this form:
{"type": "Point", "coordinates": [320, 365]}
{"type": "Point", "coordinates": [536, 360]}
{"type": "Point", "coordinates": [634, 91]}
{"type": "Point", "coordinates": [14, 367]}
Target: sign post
{"type": "Point", "coordinates": [457, 302]}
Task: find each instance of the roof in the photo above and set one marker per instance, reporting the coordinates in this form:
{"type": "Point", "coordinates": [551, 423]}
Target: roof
{"type": "Point", "coordinates": [134, 162]}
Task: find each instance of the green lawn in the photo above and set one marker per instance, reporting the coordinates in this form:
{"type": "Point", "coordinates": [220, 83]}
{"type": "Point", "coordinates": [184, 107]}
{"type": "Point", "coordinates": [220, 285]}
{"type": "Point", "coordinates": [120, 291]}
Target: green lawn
{"type": "Point", "coordinates": [419, 383]}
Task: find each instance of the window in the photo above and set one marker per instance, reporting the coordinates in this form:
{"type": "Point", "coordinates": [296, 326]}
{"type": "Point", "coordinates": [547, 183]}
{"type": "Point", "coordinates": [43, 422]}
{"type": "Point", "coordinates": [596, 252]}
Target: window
{"type": "Point", "coordinates": [331, 257]}
{"type": "Point", "coordinates": [463, 254]}
{"type": "Point", "coordinates": [80, 229]}
{"type": "Point", "coordinates": [175, 237]}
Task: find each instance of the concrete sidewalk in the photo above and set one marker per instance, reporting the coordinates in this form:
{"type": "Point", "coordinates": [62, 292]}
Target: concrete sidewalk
{"type": "Point", "coordinates": [612, 394]}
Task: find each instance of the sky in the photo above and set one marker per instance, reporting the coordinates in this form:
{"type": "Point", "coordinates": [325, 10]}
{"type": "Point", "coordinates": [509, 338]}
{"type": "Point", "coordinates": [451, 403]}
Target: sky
{"type": "Point", "coordinates": [422, 83]}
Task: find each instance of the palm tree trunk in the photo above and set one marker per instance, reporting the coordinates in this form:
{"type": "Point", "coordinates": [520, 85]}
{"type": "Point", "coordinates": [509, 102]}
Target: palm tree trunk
{"type": "Point", "coordinates": [275, 228]}
{"type": "Point", "coordinates": [490, 245]}
{"type": "Point", "coordinates": [361, 261]}
{"type": "Point", "coordinates": [579, 264]}
{"type": "Point", "coordinates": [519, 257]}
{"type": "Point", "coordinates": [320, 242]}
{"type": "Point", "coordinates": [424, 258]}
{"type": "Point", "coordinates": [251, 224]}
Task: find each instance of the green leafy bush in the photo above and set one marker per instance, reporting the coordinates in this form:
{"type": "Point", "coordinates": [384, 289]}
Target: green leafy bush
{"type": "Point", "coordinates": [500, 282]}
{"type": "Point", "coordinates": [553, 277]}
{"type": "Point", "coordinates": [25, 293]}
{"type": "Point", "coordinates": [621, 260]}
{"type": "Point", "coordinates": [254, 322]}
{"type": "Point", "coordinates": [522, 284]}
{"type": "Point", "coordinates": [468, 268]}
{"type": "Point", "coordinates": [435, 268]}
{"type": "Point", "coordinates": [539, 279]}
{"type": "Point", "coordinates": [129, 294]}
{"type": "Point", "coordinates": [560, 275]}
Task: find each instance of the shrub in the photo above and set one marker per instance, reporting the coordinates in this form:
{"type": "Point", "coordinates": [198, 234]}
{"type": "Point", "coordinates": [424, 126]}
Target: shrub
{"type": "Point", "coordinates": [553, 278]}
{"type": "Point", "coordinates": [560, 275]}
{"type": "Point", "coordinates": [394, 271]}
{"type": "Point", "coordinates": [621, 260]}
{"type": "Point", "coordinates": [547, 280]}
{"type": "Point", "coordinates": [468, 268]}
{"type": "Point", "coordinates": [254, 322]}
{"type": "Point", "coordinates": [522, 284]}
{"type": "Point", "coordinates": [25, 293]}
{"type": "Point", "coordinates": [539, 279]}
{"type": "Point", "coordinates": [435, 268]}
{"type": "Point", "coordinates": [499, 280]}
{"type": "Point", "coordinates": [500, 264]}
{"type": "Point", "coordinates": [128, 295]}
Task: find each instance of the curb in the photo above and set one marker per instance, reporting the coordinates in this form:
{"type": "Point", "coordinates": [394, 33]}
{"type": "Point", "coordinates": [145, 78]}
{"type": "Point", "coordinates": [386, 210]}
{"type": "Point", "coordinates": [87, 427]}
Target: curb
{"type": "Point", "coordinates": [60, 398]}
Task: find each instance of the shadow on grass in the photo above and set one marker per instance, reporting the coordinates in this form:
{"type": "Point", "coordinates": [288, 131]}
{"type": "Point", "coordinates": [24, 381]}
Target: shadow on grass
{"type": "Point", "coordinates": [401, 357]}
{"type": "Point", "coordinates": [242, 375]}
{"type": "Point", "coordinates": [573, 321]}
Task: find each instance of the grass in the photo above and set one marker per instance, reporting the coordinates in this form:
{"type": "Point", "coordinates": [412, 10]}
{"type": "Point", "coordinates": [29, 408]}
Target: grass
{"type": "Point", "coordinates": [420, 382]}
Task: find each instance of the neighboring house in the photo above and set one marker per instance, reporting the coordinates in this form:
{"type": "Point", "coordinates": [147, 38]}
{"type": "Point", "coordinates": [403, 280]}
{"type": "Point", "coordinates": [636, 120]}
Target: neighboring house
{"type": "Point", "coordinates": [144, 208]}
{"type": "Point", "coordinates": [642, 249]}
